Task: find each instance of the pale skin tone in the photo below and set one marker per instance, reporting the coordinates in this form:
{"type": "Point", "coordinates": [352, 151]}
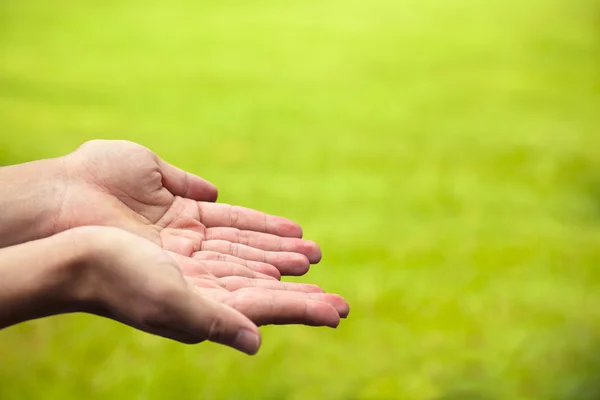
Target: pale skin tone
{"type": "Point", "coordinates": [125, 185]}
{"type": "Point", "coordinates": [218, 264]}
{"type": "Point", "coordinates": [118, 275]}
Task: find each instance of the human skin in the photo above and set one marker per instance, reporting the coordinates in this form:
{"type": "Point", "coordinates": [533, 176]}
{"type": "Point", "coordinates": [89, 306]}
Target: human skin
{"type": "Point", "coordinates": [116, 274]}
{"type": "Point", "coordinates": [125, 185]}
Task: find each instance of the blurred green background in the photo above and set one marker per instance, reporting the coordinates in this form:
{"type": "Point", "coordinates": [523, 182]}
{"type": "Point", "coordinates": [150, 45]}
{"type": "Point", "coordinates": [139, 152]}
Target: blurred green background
{"type": "Point", "coordinates": [446, 154]}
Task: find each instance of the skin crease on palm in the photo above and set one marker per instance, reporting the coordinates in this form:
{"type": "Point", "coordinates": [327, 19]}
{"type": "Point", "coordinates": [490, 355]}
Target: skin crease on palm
{"type": "Point", "coordinates": [122, 184]}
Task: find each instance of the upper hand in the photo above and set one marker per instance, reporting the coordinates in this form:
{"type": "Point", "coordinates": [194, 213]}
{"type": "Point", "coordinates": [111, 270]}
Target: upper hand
{"type": "Point", "coordinates": [122, 184]}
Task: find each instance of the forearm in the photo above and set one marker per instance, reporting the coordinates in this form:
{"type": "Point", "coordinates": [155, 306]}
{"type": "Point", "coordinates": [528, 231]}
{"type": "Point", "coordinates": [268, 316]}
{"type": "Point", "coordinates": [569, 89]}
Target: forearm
{"type": "Point", "coordinates": [37, 279]}
{"type": "Point", "coordinates": [30, 197]}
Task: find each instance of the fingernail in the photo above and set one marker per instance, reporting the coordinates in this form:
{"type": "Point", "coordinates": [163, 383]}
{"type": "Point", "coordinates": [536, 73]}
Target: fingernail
{"type": "Point", "coordinates": [247, 341]}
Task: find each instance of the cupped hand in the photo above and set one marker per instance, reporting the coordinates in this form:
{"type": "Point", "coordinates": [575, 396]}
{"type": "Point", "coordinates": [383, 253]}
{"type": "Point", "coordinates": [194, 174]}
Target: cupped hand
{"type": "Point", "coordinates": [125, 185]}
{"type": "Point", "coordinates": [132, 280]}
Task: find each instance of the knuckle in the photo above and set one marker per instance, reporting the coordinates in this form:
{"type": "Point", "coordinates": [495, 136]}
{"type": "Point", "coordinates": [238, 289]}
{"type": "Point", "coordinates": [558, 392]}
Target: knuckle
{"type": "Point", "coordinates": [234, 214]}
{"type": "Point", "coordinates": [156, 315]}
{"type": "Point", "coordinates": [216, 330]}
{"type": "Point", "coordinates": [92, 143]}
{"type": "Point", "coordinates": [233, 249]}
{"type": "Point", "coordinates": [244, 238]}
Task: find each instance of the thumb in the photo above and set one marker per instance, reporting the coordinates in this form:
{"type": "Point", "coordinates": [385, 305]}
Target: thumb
{"type": "Point", "coordinates": [209, 320]}
{"type": "Point", "coordinates": [186, 185]}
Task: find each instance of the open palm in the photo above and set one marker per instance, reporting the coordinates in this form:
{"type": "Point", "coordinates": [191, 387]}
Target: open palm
{"type": "Point", "coordinates": [125, 185]}
{"type": "Point", "coordinates": [133, 281]}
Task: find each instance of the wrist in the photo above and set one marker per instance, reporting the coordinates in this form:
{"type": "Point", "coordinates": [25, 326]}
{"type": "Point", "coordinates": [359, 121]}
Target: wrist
{"type": "Point", "coordinates": [80, 276]}
{"type": "Point", "coordinates": [40, 279]}
{"type": "Point", "coordinates": [30, 200]}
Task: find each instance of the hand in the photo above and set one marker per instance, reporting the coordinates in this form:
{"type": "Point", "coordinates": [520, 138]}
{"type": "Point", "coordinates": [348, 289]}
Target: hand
{"type": "Point", "coordinates": [122, 184]}
{"type": "Point", "coordinates": [132, 280]}
{"type": "Point", "coordinates": [119, 275]}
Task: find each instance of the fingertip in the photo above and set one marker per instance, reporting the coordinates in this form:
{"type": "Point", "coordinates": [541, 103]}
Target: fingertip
{"type": "Point", "coordinates": [267, 270]}
{"type": "Point", "coordinates": [288, 228]}
{"type": "Point", "coordinates": [335, 324]}
{"type": "Point", "coordinates": [247, 341]}
{"type": "Point", "coordinates": [226, 325]}
{"type": "Point", "coordinates": [343, 308]}
{"type": "Point", "coordinates": [345, 313]}
{"type": "Point", "coordinates": [296, 265]}
{"type": "Point", "coordinates": [201, 190]}
{"type": "Point", "coordinates": [313, 252]}
{"type": "Point", "coordinates": [212, 194]}
{"type": "Point", "coordinates": [276, 275]}
{"type": "Point", "coordinates": [323, 314]}
{"type": "Point", "coordinates": [298, 231]}
{"type": "Point", "coordinates": [185, 184]}
{"type": "Point", "coordinates": [336, 301]}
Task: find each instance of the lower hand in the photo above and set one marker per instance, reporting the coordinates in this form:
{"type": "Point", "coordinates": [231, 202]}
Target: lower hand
{"type": "Point", "coordinates": [134, 281]}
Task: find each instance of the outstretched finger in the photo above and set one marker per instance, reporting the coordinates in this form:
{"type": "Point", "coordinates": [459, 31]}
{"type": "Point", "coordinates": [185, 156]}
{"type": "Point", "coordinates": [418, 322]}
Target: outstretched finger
{"type": "Point", "coordinates": [287, 263]}
{"type": "Point", "coordinates": [221, 269]}
{"type": "Point", "coordinates": [224, 215]}
{"type": "Point", "coordinates": [257, 266]}
{"type": "Point", "coordinates": [202, 318]}
{"type": "Point", "coordinates": [268, 307]}
{"type": "Point", "coordinates": [234, 283]}
{"type": "Point", "coordinates": [266, 241]}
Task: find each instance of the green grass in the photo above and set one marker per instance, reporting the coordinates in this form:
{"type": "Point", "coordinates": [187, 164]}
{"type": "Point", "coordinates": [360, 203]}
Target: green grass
{"type": "Point", "coordinates": [446, 154]}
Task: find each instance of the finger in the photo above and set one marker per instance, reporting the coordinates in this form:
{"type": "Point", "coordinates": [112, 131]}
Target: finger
{"type": "Point", "coordinates": [233, 283]}
{"type": "Point", "coordinates": [287, 263]}
{"type": "Point", "coordinates": [273, 307]}
{"type": "Point", "coordinates": [184, 184]}
{"type": "Point", "coordinates": [180, 241]}
{"type": "Point", "coordinates": [257, 266]}
{"type": "Point", "coordinates": [205, 282]}
{"type": "Point", "coordinates": [183, 314]}
{"type": "Point", "coordinates": [266, 241]}
{"type": "Point", "coordinates": [189, 264]}
{"type": "Point", "coordinates": [204, 318]}
{"type": "Point", "coordinates": [337, 301]}
{"type": "Point", "coordinates": [220, 269]}
{"type": "Point", "coordinates": [224, 215]}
